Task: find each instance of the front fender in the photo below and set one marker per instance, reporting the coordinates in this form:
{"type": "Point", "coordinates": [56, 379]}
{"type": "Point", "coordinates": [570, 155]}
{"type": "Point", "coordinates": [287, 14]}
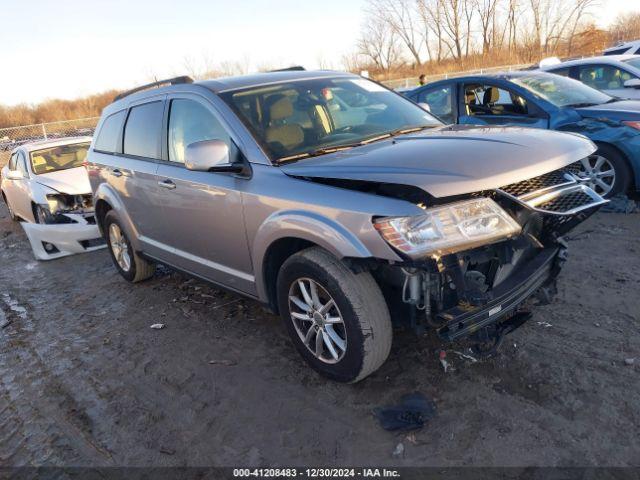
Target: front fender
{"type": "Point", "coordinates": [304, 225]}
{"type": "Point", "coordinates": [106, 193]}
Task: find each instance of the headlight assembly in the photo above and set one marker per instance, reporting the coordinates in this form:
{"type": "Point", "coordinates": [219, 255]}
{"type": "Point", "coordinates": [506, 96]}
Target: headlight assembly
{"type": "Point", "coordinates": [448, 229]}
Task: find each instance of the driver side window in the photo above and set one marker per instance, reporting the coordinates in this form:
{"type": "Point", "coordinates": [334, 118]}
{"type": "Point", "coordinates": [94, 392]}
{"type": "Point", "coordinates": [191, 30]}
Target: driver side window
{"type": "Point", "coordinates": [22, 165]}
{"type": "Point", "coordinates": [189, 122]}
{"type": "Point", "coordinates": [13, 161]}
{"type": "Point", "coordinates": [491, 100]}
{"type": "Point", "coordinates": [440, 102]}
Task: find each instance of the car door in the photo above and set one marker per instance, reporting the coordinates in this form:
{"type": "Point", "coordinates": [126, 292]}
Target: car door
{"type": "Point", "coordinates": [17, 190]}
{"type": "Point", "coordinates": [9, 185]}
{"type": "Point", "coordinates": [133, 171]}
{"type": "Point", "coordinates": [203, 230]}
{"type": "Point", "coordinates": [492, 104]}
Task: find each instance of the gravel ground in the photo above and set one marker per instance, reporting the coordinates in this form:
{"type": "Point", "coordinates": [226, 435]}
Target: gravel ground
{"type": "Point", "coordinates": [84, 381]}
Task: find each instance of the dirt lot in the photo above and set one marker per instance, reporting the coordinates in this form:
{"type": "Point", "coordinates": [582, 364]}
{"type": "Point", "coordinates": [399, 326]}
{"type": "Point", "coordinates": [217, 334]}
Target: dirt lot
{"type": "Point", "coordinates": [85, 381]}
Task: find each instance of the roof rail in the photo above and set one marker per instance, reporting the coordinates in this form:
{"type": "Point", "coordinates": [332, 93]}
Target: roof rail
{"type": "Point", "coordinates": [158, 84]}
{"type": "Point", "coordinates": [296, 68]}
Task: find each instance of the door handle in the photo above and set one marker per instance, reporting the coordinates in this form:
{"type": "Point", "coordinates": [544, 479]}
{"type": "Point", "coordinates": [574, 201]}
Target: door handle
{"type": "Point", "coordinates": [116, 173]}
{"type": "Point", "coordinates": [168, 184]}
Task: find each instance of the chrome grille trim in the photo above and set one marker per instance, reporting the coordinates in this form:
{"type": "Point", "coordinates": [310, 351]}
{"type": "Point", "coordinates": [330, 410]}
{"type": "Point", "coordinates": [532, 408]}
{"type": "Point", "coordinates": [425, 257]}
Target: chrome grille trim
{"type": "Point", "coordinates": [555, 193]}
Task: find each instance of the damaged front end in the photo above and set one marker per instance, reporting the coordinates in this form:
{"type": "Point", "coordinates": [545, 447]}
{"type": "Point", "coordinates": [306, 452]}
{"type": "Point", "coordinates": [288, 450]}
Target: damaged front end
{"type": "Point", "coordinates": [509, 251]}
{"type": "Point", "coordinates": [66, 226]}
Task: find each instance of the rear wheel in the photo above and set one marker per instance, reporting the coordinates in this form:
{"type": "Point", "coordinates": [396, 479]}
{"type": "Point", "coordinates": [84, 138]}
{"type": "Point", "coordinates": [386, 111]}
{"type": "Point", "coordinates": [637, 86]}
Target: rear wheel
{"type": "Point", "coordinates": [12, 215]}
{"type": "Point", "coordinates": [606, 172]}
{"type": "Point", "coordinates": [131, 266]}
{"type": "Point", "coordinates": [338, 320]}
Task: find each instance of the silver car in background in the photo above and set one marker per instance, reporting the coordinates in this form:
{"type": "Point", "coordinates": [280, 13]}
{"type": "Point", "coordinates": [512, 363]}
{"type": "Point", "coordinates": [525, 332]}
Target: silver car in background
{"type": "Point", "coordinates": [339, 204]}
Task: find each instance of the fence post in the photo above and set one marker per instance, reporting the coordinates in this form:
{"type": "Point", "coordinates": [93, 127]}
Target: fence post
{"type": "Point", "coordinates": [44, 131]}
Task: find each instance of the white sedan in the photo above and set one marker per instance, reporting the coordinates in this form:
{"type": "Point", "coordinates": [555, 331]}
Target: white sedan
{"type": "Point", "coordinates": [46, 185]}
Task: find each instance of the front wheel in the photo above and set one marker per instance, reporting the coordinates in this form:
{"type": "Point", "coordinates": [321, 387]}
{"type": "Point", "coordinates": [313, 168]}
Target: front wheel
{"type": "Point", "coordinates": [130, 265]}
{"type": "Point", "coordinates": [338, 320]}
{"type": "Point", "coordinates": [606, 172]}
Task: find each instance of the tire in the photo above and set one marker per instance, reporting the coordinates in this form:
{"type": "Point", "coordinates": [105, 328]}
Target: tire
{"type": "Point", "coordinates": [12, 216]}
{"type": "Point", "coordinates": [605, 159]}
{"type": "Point", "coordinates": [136, 269]}
{"type": "Point", "coordinates": [40, 215]}
{"type": "Point", "coordinates": [365, 326]}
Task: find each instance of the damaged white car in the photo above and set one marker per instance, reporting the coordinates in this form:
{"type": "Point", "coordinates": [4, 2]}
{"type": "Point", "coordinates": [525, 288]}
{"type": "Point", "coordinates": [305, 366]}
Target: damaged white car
{"type": "Point", "coordinates": [45, 184]}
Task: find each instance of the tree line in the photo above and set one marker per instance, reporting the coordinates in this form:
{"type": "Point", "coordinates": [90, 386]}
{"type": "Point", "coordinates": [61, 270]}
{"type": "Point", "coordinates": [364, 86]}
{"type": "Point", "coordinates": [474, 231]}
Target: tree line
{"type": "Point", "coordinates": [401, 34]}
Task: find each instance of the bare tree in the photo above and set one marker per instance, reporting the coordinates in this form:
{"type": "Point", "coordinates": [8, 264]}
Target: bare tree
{"type": "Point", "coordinates": [487, 15]}
{"type": "Point", "coordinates": [626, 27]}
{"type": "Point", "coordinates": [379, 43]}
{"type": "Point", "coordinates": [430, 18]}
{"type": "Point", "coordinates": [400, 16]}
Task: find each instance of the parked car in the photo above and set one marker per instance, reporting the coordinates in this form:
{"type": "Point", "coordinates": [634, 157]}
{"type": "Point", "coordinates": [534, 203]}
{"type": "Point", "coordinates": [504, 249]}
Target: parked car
{"type": "Point", "coordinates": [618, 75]}
{"type": "Point", "coordinates": [339, 204]}
{"type": "Point", "coordinates": [546, 101]}
{"type": "Point", "coordinates": [45, 185]}
{"type": "Point", "coordinates": [625, 48]}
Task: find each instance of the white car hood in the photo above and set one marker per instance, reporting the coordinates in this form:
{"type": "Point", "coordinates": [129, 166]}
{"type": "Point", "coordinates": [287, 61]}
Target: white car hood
{"type": "Point", "coordinates": [73, 181]}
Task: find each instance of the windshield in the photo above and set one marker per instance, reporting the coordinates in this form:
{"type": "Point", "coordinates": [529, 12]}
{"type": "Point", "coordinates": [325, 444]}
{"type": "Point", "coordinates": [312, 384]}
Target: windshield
{"type": "Point", "coordinates": [634, 62]}
{"type": "Point", "coordinates": [62, 157]}
{"type": "Point", "coordinates": [561, 91]}
{"type": "Point", "coordinates": [305, 117]}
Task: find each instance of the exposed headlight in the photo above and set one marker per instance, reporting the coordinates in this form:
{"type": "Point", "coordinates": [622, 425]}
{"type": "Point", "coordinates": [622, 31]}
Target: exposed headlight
{"type": "Point", "coordinates": [448, 229]}
{"type": "Point", "coordinates": [55, 203]}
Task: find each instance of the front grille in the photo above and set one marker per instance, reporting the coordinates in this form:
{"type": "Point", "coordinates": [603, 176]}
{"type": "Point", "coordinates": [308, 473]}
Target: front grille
{"type": "Point", "coordinates": [557, 193]}
{"type": "Point", "coordinates": [565, 203]}
{"type": "Point", "coordinates": [557, 177]}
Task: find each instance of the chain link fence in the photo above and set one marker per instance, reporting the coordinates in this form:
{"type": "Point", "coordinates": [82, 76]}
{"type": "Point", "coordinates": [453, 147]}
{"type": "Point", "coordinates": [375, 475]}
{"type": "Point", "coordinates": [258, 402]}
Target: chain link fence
{"type": "Point", "coordinates": [13, 137]}
{"type": "Point", "coordinates": [412, 82]}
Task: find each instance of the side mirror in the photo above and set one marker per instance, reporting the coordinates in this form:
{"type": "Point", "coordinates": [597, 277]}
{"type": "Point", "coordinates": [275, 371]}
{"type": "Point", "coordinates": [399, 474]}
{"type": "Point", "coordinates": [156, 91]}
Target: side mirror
{"type": "Point", "coordinates": [209, 156]}
{"type": "Point", "coordinates": [633, 83]}
{"type": "Point", "coordinates": [15, 175]}
{"type": "Point", "coordinates": [425, 106]}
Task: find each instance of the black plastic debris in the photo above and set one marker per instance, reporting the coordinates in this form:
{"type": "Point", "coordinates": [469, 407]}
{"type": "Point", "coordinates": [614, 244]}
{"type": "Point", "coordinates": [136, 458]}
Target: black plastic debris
{"type": "Point", "coordinates": [410, 414]}
{"type": "Point", "coordinates": [621, 204]}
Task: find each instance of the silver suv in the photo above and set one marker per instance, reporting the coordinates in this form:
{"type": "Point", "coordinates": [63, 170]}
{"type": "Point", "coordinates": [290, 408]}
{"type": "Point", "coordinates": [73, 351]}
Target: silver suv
{"type": "Point", "coordinates": [341, 205]}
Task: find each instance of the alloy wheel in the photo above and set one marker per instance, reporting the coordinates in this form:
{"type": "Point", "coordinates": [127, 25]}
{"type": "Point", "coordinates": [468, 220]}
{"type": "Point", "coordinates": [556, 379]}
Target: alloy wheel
{"type": "Point", "coordinates": [317, 320]}
{"type": "Point", "coordinates": [119, 247]}
{"type": "Point", "coordinates": [598, 173]}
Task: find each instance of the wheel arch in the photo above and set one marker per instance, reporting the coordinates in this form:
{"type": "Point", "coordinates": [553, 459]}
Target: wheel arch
{"type": "Point", "coordinates": [625, 158]}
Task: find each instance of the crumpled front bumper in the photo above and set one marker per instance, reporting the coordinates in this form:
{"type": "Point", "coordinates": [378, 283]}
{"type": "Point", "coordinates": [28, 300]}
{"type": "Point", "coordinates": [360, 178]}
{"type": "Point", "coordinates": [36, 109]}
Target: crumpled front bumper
{"type": "Point", "coordinates": [540, 271]}
{"type": "Point", "coordinates": [56, 240]}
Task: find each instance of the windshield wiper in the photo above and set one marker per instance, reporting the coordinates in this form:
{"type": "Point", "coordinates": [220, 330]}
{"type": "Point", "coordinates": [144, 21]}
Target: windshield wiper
{"type": "Point", "coordinates": [580, 105]}
{"type": "Point", "coordinates": [346, 146]}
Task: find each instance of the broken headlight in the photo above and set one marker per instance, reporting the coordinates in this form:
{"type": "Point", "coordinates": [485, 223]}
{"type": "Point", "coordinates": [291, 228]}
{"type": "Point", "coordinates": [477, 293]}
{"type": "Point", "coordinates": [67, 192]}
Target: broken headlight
{"type": "Point", "coordinates": [448, 229]}
{"type": "Point", "coordinates": [55, 203]}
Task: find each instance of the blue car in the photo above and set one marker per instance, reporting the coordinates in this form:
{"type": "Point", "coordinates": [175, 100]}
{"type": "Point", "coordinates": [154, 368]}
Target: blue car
{"type": "Point", "coordinates": [543, 100]}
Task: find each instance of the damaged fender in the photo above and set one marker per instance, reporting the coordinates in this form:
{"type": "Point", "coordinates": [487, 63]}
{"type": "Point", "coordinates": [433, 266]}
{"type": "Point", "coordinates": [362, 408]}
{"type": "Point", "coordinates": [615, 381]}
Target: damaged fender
{"type": "Point", "coordinates": [56, 240]}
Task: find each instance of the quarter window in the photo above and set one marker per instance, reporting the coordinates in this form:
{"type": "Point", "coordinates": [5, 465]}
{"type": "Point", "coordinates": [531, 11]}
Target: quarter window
{"type": "Point", "coordinates": [189, 122]}
{"type": "Point", "coordinates": [12, 161]}
{"type": "Point", "coordinates": [107, 139]}
{"type": "Point", "coordinates": [142, 131]}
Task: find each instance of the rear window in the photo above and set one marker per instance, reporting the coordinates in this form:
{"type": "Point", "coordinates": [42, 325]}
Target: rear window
{"type": "Point", "coordinates": [143, 129]}
{"type": "Point", "coordinates": [107, 139]}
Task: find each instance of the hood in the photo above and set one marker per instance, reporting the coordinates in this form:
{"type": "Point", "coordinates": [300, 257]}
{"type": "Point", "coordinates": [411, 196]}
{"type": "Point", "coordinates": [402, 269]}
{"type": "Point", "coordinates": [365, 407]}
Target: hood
{"type": "Point", "coordinates": [73, 181]}
{"type": "Point", "coordinates": [452, 160]}
{"type": "Point", "coordinates": [620, 110]}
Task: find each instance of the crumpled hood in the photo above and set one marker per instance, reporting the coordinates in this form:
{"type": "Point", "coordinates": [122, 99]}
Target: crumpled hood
{"type": "Point", "coordinates": [622, 110]}
{"type": "Point", "coordinates": [452, 160]}
{"type": "Point", "coordinates": [73, 181]}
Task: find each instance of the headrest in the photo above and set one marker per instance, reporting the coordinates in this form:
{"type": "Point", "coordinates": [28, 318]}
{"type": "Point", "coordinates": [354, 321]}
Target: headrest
{"type": "Point", "coordinates": [281, 107]}
{"type": "Point", "coordinates": [491, 95]}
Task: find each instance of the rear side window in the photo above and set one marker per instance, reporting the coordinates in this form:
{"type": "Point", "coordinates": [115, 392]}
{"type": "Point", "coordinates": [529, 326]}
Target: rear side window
{"type": "Point", "coordinates": [12, 161]}
{"type": "Point", "coordinates": [107, 140]}
{"type": "Point", "coordinates": [143, 129]}
{"type": "Point", "coordinates": [561, 71]}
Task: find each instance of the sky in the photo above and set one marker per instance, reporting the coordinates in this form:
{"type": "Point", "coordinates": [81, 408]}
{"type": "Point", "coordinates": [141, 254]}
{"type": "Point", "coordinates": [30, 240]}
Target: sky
{"type": "Point", "coordinates": [72, 48]}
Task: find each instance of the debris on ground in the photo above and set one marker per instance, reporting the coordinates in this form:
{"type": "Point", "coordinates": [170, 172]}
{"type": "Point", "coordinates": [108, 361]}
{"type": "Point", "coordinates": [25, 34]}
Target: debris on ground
{"type": "Point", "coordinates": [629, 361]}
{"type": "Point", "coordinates": [410, 414]}
{"type": "Point", "coordinates": [621, 204]}
{"type": "Point", "coordinates": [443, 360]}
{"type": "Point", "coordinates": [3, 320]}
{"type": "Point", "coordinates": [157, 326]}
{"type": "Point", "coordinates": [466, 356]}
{"type": "Point", "coordinates": [399, 450]}
{"type": "Point", "coordinates": [545, 324]}
{"type": "Point", "coordinates": [226, 363]}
